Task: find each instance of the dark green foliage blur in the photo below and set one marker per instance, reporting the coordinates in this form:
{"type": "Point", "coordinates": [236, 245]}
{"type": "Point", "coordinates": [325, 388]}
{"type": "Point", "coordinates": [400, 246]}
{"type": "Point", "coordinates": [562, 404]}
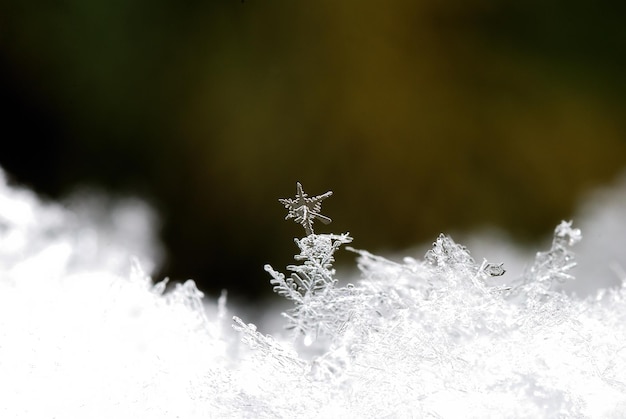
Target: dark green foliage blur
{"type": "Point", "coordinates": [421, 115]}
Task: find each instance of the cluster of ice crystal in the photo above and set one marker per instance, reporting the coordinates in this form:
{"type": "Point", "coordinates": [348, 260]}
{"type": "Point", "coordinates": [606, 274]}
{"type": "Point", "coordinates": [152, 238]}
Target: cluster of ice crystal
{"type": "Point", "coordinates": [447, 337]}
{"type": "Point", "coordinates": [311, 285]}
{"type": "Point", "coordinates": [553, 265]}
{"type": "Point", "coordinates": [442, 337]}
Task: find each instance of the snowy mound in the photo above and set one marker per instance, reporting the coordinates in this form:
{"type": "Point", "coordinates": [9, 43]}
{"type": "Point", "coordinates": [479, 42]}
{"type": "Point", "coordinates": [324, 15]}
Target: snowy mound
{"type": "Point", "coordinates": [440, 337]}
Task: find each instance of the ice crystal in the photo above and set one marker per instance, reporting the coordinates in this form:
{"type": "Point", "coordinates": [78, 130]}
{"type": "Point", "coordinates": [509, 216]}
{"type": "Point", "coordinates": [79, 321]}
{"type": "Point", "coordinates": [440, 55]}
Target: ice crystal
{"type": "Point", "coordinates": [554, 265]}
{"type": "Point", "coordinates": [312, 283]}
{"type": "Point", "coordinates": [304, 210]}
{"type": "Point", "coordinates": [282, 355]}
{"type": "Point", "coordinates": [315, 275]}
{"type": "Point", "coordinates": [446, 254]}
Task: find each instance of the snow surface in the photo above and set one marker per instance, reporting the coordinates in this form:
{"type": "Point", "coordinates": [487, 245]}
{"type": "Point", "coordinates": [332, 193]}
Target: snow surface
{"type": "Point", "coordinates": [85, 333]}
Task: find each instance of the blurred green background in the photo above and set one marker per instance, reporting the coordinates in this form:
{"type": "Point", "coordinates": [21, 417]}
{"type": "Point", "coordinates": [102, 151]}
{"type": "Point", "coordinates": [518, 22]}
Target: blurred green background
{"type": "Point", "coordinates": [422, 116]}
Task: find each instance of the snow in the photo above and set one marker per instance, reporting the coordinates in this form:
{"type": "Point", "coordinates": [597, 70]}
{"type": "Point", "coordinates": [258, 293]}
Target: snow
{"type": "Point", "coordinates": [85, 332]}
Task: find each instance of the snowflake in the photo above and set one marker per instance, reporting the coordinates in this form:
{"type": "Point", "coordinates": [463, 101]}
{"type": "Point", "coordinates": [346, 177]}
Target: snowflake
{"type": "Point", "coordinates": [304, 210]}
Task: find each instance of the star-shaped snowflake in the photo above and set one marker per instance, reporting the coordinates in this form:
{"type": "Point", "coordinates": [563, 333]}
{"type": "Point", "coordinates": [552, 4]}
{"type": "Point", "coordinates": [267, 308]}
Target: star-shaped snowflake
{"type": "Point", "coordinates": [304, 210]}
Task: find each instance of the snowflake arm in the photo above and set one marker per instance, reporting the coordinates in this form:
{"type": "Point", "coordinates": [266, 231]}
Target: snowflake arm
{"type": "Point", "coordinates": [284, 286]}
{"type": "Point", "coordinates": [303, 210]}
{"type": "Point", "coordinates": [553, 265]}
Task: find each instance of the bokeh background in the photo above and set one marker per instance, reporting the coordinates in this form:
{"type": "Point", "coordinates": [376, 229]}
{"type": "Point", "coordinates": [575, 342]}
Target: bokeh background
{"type": "Point", "coordinates": [421, 115]}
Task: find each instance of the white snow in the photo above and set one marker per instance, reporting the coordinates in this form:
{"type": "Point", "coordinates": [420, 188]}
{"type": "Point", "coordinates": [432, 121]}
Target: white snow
{"type": "Point", "coordinates": [85, 333]}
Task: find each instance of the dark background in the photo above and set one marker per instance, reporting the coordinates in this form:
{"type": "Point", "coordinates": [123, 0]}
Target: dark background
{"type": "Point", "coordinates": [421, 115]}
